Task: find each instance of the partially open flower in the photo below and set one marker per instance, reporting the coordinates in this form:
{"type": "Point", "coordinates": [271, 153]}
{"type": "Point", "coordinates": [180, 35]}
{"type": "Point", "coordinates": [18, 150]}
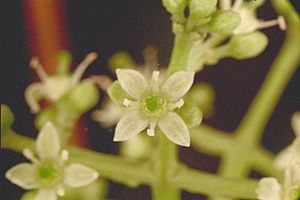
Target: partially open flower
{"type": "Point", "coordinates": [48, 172]}
{"type": "Point", "coordinates": [53, 87]}
{"type": "Point", "coordinates": [151, 103]}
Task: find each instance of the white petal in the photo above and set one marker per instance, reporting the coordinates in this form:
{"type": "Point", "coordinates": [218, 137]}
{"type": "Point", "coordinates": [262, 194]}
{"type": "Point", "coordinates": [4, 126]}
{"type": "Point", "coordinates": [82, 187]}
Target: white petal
{"type": "Point", "coordinates": [177, 85]}
{"type": "Point", "coordinates": [47, 143]}
{"type": "Point", "coordinates": [130, 124]}
{"type": "Point", "coordinates": [268, 189]}
{"type": "Point", "coordinates": [46, 194]}
{"type": "Point", "coordinates": [78, 175]}
{"type": "Point", "coordinates": [174, 128]}
{"type": "Point", "coordinates": [296, 123]}
{"type": "Point", "coordinates": [133, 82]}
{"type": "Point", "coordinates": [23, 175]}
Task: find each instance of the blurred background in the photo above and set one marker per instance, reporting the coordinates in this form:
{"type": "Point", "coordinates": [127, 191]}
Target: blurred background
{"type": "Point", "coordinates": [42, 28]}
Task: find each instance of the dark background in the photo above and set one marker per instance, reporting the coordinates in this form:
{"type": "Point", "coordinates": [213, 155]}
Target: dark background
{"type": "Point", "coordinates": [131, 25]}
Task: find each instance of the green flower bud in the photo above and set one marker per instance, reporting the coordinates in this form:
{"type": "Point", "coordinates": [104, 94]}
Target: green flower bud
{"type": "Point", "coordinates": [203, 96]}
{"type": "Point", "coordinates": [139, 147]}
{"type": "Point", "coordinates": [247, 45]}
{"type": "Point", "coordinates": [224, 22]}
{"type": "Point", "coordinates": [64, 62]}
{"type": "Point", "coordinates": [29, 195]}
{"type": "Point", "coordinates": [200, 12]}
{"type": "Point", "coordinates": [46, 115]}
{"type": "Point", "coordinates": [7, 118]}
{"type": "Point", "coordinates": [175, 6]}
{"type": "Point", "coordinates": [191, 115]}
{"type": "Point", "coordinates": [117, 94]}
{"type": "Point", "coordinates": [121, 59]}
{"type": "Point", "coordinates": [84, 96]}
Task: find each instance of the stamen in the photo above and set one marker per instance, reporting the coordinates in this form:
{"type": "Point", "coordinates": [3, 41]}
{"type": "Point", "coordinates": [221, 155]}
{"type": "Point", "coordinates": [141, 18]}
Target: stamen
{"type": "Point", "coordinates": [281, 23]}
{"type": "Point", "coordinates": [30, 156]}
{"type": "Point", "coordinates": [155, 75]}
{"type": "Point", "coordinates": [237, 4]}
{"type": "Point", "coordinates": [225, 4]}
{"type": "Point", "coordinates": [180, 103]}
{"type": "Point", "coordinates": [82, 67]}
{"type": "Point", "coordinates": [64, 155]}
{"type": "Point", "coordinates": [151, 129]}
{"type": "Point", "coordinates": [102, 81]}
{"type": "Point", "coordinates": [150, 132]}
{"type": "Point", "coordinates": [267, 24]}
{"type": "Point", "coordinates": [33, 94]}
{"type": "Point", "coordinates": [35, 64]}
{"type": "Point", "coordinates": [126, 102]}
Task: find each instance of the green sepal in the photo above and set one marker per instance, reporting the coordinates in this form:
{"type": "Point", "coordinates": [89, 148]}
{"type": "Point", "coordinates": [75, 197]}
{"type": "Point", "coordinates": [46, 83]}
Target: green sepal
{"type": "Point", "coordinates": [191, 114]}
{"type": "Point", "coordinates": [247, 45]}
{"type": "Point", "coordinates": [84, 96]}
{"type": "Point", "coordinates": [121, 59]}
{"type": "Point", "coordinates": [203, 96]}
{"type": "Point", "coordinates": [64, 59]}
{"type": "Point", "coordinates": [7, 118]}
{"type": "Point", "coordinates": [117, 94]}
{"type": "Point", "coordinates": [224, 22]}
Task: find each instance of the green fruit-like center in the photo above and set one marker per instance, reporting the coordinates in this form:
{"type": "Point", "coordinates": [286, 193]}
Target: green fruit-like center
{"type": "Point", "coordinates": [154, 104]}
{"type": "Point", "coordinates": [294, 194]}
{"type": "Point", "coordinates": [48, 173]}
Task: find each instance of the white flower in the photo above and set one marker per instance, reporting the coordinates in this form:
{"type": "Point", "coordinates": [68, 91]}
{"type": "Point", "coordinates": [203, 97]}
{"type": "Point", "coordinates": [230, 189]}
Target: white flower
{"type": "Point", "coordinates": [249, 22]}
{"type": "Point", "coordinates": [288, 161]}
{"type": "Point", "coordinates": [48, 173]}
{"type": "Point", "coordinates": [53, 87]}
{"type": "Point", "coordinates": [152, 105]}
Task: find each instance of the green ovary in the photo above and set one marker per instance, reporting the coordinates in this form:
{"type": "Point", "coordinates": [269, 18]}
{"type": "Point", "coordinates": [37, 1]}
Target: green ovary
{"type": "Point", "coordinates": [154, 104]}
{"type": "Point", "coordinates": [48, 173]}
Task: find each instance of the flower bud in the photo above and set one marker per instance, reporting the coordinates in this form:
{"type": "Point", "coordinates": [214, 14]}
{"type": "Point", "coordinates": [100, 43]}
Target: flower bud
{"type": "Point", "coordinates": [191, 115]}
{"type": "Point", "coordinates": [7, 118]}
{"type": "Point", "coordinates": [84, 96]}
{"type": "Point", "coordinates": [200, 11]}
{"type": "Point", "coordinates": [117, 94]}
{"type": "Point", "coordinates": [121, 59]}
{"type": "Point", "coordinates": [247, 45]}
{"type": "Point", "coordinates": [203, 96]}
{"type": "Point", "coordinates": [224, 22]}
{"type": "Point", "coordinates": [29, 195]}
{"type": "Point", "coordinates": [174, 6]}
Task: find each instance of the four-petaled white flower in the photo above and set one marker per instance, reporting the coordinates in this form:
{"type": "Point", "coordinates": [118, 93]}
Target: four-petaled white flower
{"type": "Point", "coordinates": [288, 161]}
{"type": "Point", "coordinates": [53, 87]}
{"type": "Point", "coordinates": [152, 104]}
{"type": "Point", "coordinates": [48, 172]}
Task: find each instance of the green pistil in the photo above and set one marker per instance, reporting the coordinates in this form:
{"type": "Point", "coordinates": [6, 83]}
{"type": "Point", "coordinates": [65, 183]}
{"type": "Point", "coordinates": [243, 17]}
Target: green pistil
{"type": "Point", "coordinates": [154, 104]}
{"type": "Point", "coordinates": [48, 173]}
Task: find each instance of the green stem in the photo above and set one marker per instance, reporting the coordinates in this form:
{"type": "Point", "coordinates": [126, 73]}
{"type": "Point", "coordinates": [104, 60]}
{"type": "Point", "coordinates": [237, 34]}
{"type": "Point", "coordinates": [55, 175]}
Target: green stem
{"type": "Point", "coordinates": [201, 182]}
{"type": "Point", "coordinates": [115, 168]}
{"type": "Point", "coordinates": [284, 66]}
{"type": "Point", "coordinates": [165, 165]}
{"type": "Point", "coordinates": [180, 53]}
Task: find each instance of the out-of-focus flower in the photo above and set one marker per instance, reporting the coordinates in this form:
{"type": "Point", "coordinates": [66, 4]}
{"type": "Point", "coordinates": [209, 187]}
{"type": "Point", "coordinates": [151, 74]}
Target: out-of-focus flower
{"type": "Point", "coordinates": [289, 162]}
{"type": "Point", "coordinates": [152, 103]}
{"type": "Point", "coordinates": [54, 87]}
{"type": "Point", "coordinates": [48, 172]}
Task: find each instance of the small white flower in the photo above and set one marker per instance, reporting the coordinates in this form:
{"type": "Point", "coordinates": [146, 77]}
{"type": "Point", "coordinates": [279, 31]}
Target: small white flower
{"type": "Point", "coordinates": [53, 87]}
{"type": "Point", "coordinates": [288, 161]}
{"type": "Point", "coordinates": [249, 21]}
{"type": "Point", "coordinates": [153, 105]}
{"type": "Point", "coordinates": [48, 173]}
